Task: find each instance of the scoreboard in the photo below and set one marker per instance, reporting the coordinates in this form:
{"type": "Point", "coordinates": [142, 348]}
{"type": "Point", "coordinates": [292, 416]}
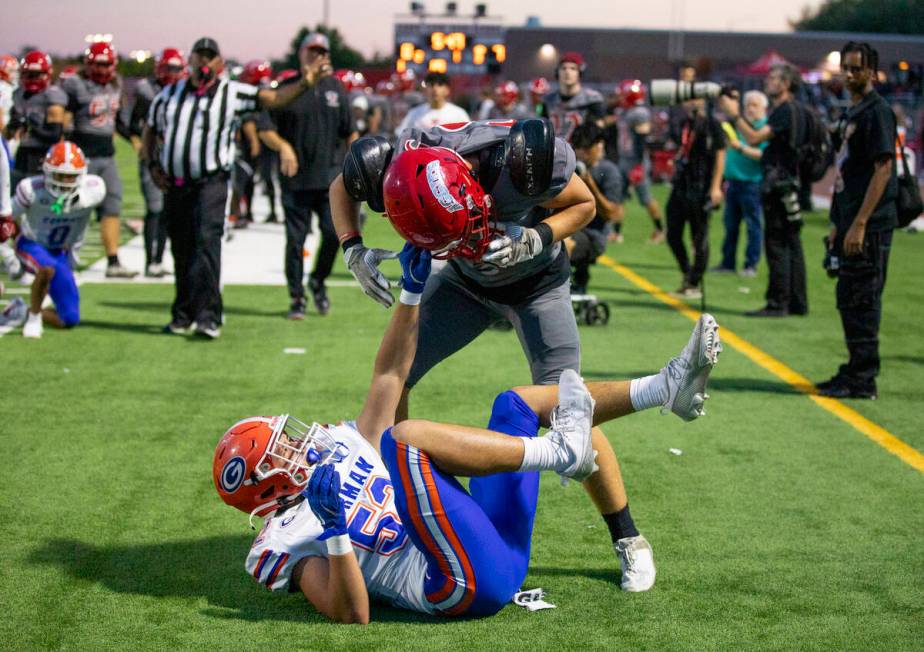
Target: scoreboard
{"type": "Point", "coordinates": [453, 48]}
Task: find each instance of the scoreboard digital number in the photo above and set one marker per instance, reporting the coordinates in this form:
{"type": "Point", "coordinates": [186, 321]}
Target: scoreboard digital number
{"type": "Point", "coordinates": [453, 49]}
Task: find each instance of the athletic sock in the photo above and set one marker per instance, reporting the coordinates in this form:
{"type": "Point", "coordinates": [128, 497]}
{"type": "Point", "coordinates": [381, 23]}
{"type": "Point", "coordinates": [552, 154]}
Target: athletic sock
{"type": "Point", "coordinates": [620, 524]}
{"type": "Point", "coordinates": [648, 392]}
{"type": "Point", "coordinates": [617, 227]}
{"type": "Point", "coordinates": [541, 454]}
{"type": "Point", "coordinates": [659, 224]}
{"type": "Point", "coordinates": [112, 260]}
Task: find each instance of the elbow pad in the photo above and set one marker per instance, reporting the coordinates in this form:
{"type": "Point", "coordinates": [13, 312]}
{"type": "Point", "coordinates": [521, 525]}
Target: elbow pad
{"type": "Point", "coordinates": [364, 170]}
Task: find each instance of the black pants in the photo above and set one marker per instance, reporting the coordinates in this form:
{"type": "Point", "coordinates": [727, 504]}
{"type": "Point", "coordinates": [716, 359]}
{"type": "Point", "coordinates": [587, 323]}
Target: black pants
{"type": "Point", "coordinates": [860, 282]}
{"type": "Point", "coordinates": [684, 206]}
{"type": "Point", "coordinates": [298, 205]}
{"type": "Point", "coordinates": [589, 244]}
{"type": "Point", "coordinates": [195, 215]}
{"type": "Point", "coordinates": [783, 243]}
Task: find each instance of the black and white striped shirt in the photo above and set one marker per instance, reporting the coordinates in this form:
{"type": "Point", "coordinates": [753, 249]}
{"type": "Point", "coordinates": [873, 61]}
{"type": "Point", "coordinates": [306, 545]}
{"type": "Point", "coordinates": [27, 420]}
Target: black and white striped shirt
{"type": "Point", "coordinates": [198, 131]}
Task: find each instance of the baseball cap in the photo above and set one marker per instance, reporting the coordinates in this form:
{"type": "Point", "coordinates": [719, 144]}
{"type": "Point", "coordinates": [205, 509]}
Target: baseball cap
{"type": "Point", "coordinates": [572, 57]}
{"type": "Point", "coordinates": [316, 40]}
{"type": "Point", "coordinates": [206, 43]}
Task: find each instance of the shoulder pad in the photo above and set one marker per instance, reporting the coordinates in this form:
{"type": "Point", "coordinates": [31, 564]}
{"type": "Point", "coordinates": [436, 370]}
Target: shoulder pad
{"type": "Point", "coordinates": [531, 156]}
{"type": "Point", "coordinates": [25, 191]}
{"type": "Point", "coordinates": [93, 190]}
{"type": "Point", "coordinates": [364, 170]}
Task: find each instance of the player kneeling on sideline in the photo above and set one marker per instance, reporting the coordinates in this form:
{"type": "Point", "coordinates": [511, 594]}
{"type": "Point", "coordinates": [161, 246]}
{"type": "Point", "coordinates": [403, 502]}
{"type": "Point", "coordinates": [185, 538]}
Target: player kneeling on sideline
{"type": "Point", "coordinates": [369, 508]}
{"type": "Point", "coordinates": [51, 212]}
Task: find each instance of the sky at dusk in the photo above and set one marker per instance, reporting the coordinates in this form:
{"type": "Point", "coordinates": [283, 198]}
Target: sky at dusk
{"type": "Point", "coordinates": [246, 29]}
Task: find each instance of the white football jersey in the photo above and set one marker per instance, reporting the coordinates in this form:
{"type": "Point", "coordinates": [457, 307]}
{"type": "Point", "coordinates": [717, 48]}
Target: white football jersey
{"type": "Point", "coordinates": [392, 566]}
{"type": "Point", "coordinates": [6, 101]}
{"type": "Point", "coordinates": [53, 228]}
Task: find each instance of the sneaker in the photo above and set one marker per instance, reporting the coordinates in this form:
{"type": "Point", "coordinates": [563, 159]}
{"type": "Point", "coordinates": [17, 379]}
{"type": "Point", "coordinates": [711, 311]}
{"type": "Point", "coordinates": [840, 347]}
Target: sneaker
{"type": "Point", "coordinates": [836, 379]}
{"type": "Point", "coordinates": [297, 309]}
{"type": "Point", "coordinates": [155, 270]}
{"type": "Point", "coordinates": [33, 326]}
{"type": "Point", "coordinates": [657, 237]}
{"type": "Point", "coordinates": [846, 390]}
{"type": "Point", "coordinates": [570, 428]}
{"type": "Point", "coordinates": [119, 271]}
{"type": "Point", "coordinates": [178, 328]}
{"type": "Point", "coordinates": [687, 373]}
{"type": "Point", "coordinates": [688, 292]}
{"type": "Point", "coordinates": [748, 272]}
{"type": "Point", "coordinates": [211, 331]}
{"type": "Point", "coordinates": [319, 295]}
{"type": "Point", "coordinates": [14, 314]}
{"type": "Point", "coordinates": [637, 562]}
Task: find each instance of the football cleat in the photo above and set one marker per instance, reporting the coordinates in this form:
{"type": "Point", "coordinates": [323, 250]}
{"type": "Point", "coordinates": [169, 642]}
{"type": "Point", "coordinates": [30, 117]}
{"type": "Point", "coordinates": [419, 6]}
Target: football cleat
{"type": "Point", "coordinates": [637, 562]}
{"type": "Point", "coordinates": [14, 314]}
{"type": "Point", "coordinates": [687, 373]}
{"type": "Point", "coordinates": [572, 420]}
{"type": "Point", "coordinates": [33, 326]}
{"type": "Point", "coordinates": [118, 271]}
{"type": "Point", "coordinates": [210, 331]}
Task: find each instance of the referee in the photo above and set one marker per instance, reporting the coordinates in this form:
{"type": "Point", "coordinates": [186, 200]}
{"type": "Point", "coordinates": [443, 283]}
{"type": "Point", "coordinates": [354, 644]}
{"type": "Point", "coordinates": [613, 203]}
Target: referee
{"type": "Point", "coordinates": [188, 146]}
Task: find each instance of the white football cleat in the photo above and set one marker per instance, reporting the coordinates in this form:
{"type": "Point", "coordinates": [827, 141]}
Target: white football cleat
{"type": "Point", "coordinates": [571, 421]}
{"type": "Point", "coordinates": [687, 373]}
{"type": "Point", "coordinates": [15, 314]}
{"type": "Point", "coordinates": [637, 562]}
{"type": "Point", "coordinates": [33, 326]}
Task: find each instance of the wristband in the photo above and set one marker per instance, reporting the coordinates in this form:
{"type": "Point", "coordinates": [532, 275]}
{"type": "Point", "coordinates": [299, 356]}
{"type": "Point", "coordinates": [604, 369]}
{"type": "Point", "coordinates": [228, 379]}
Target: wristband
{"type": "Point", "coordinates": [352, 238]}
{"type": "Point", "coordinates": [409, 298]}
{"type": "Point", "coordinates": [339, 545]}
{"type": "Point", "coordinates": [545, 234]}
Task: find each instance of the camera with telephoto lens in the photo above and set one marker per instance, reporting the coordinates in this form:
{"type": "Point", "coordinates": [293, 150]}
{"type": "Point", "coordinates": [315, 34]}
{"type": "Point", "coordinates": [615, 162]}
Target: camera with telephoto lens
{"type": "Point", "coordinates": [831, 263]}
{"type": "Point", "coordinates": [668, 92]}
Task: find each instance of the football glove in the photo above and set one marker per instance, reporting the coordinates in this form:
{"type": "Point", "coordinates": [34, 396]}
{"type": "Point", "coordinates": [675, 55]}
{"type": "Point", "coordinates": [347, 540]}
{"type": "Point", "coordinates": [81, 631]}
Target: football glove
{"type": "Point", "coordinates": [415, 268]}
{"type": "Point", "coordinates": [364, 265]}
{"type": "Point", "coordinates": [519, 244]}
{"type": "Point", "coordinates": [323, 495]}
{"type": "Point", "coordinates": [7, 228]}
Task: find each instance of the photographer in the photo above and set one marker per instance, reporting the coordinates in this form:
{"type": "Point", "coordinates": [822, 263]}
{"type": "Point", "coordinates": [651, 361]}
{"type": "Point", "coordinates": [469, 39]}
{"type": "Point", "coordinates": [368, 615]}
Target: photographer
{"type": "Point", "coordinates": [863, 216]}
{"type": "Point", "coordinates": [785, 132]}
{"type": "Point", "coordinates": [696, 190]}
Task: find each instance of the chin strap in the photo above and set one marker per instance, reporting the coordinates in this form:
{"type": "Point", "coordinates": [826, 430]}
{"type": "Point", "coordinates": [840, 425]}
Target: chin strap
{"type": "Point", "coordinates": [280, 503]}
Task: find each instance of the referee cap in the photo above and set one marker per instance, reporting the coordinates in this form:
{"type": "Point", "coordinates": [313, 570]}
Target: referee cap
{"type": "Point", "coordinates": [206, 43]}
{"type": "Point", "coordinates": [316, 40]}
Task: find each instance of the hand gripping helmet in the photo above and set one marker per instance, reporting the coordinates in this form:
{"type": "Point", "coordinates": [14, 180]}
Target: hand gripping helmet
{"type": "Point", "coordinates": [434, 202]}
{"type": "Point", "coordinates": [35, 72]}
{"type": "Point", "coordinates": [262, 463]}
{"type": "Point", "coordinates": [257, 72]}
{"type": "Point", "coordinates": [631, 92]}
{"type": "Point", "coordinates": [64, 168]}
{"type": "Point", "coordinates": [170, 67]}
{"type": "Point", "coordinates": [100, 59]}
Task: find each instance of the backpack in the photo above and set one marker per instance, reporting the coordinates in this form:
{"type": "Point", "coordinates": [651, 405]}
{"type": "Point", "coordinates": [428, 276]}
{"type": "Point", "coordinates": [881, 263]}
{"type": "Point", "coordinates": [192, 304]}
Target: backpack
{"type": "Point", "coordinates": [816, 152]}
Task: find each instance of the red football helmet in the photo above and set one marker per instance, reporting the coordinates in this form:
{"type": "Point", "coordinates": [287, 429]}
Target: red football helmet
{"type": "Point", "coordinates": [284, 75]}
{"type": "Point", "coordinates": [68, 72]}
{"type": "Point", "coordinates": [262, 463]}
{"type": "Point", "coordinates": [631, 92]}
{"type": "Point", "coordinates": [539, 87]}
{"type": "Point", "coordinates": [404, 81]}
{"type": "Point", "coordinates": [170, 67]}
{"type": "Point", "coordinates": [100, 59]}
{"type": "Point", "coordinates": [351, 79]}
{"type": "Point", "coordinates": [507, 92]}
{"type": "Point", "coordinates": [9, 69]}
{"type": "Point", "coordinates": [64, 167]}
{"type": "Point", "coordinates": [35, 70]}
{"type": "Point", "coordinates": [434, 202]}
{"type": "Point", "coordinates": [257, 72]}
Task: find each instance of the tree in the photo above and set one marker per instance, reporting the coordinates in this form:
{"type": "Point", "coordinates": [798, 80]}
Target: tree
{"type": "Point", "coordinates": [874, 16]}
{"type": "Point", "coordinates": [341, 54]}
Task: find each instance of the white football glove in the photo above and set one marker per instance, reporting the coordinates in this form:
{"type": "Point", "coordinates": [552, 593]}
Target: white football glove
{"type": "Point", "coordinates": [518, 245]}
{"type": "Point", "coordinates": [364, 265]}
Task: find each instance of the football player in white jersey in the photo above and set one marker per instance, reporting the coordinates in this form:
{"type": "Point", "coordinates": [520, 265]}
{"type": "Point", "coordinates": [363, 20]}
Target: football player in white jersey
{"type": "Point", "coordinates": [51, 213]}
{"type": "Point", "coordinates": [369, 509]}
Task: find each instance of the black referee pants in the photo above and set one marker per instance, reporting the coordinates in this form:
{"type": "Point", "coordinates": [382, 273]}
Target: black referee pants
{"type": "Point", "coordinates": [299, 205]}
{"type": "Point", "coordinates": [687, 206]}
{"type": "Point", "coordinates": [785, 259]}
{"type": "Point", "coordinates": [195, 215]}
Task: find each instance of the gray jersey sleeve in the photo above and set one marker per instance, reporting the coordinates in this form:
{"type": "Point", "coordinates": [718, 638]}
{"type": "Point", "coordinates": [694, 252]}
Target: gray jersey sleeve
{"type": "Point", "coordinates": [608, 178]}
{"type": "Point", "coordinates": [54, 95]}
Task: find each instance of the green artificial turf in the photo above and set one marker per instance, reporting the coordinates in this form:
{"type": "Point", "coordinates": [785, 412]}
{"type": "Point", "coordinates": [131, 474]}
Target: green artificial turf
{"type": "Point", "coordinates": [779, 526]}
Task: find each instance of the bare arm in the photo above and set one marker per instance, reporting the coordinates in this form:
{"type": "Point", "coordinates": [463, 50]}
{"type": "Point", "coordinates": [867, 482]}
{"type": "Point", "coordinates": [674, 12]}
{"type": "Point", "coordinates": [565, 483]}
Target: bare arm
{"type": "Point", "coordinates": [335, 587]}
{"type": "Point", "coordinates": [610, 210]}
{"type": "Point", "coordinates": [288, 161]}
{"type": "Point", "coordinates": [853, 239]}
{"type": "Point", "coordinates": [249, 129]}
{"type": "Point", "coordinates": [718, 170]}
{"type": "Point", "coordinates": [343, 209]}
{"type": "Point", "coordinates": [55, 114]}
{"type": "Point", "coordinates": [577, 209]}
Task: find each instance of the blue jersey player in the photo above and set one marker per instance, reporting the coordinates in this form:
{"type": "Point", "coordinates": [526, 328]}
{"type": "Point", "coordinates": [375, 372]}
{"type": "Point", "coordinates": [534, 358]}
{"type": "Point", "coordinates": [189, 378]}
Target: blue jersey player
{"type": "Point", "coordinates": [372, 509]}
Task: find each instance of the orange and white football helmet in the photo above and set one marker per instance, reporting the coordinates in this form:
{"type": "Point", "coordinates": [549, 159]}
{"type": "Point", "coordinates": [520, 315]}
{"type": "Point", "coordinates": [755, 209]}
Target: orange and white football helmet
{"type": "Point", "coordinates": [65, 167]}
{"type": "Point", "coordinates": [262, 463]}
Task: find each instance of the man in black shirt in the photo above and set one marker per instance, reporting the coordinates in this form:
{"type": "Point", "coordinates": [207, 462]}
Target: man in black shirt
{"type": "Point", "coordinates": [785, 130]}
{"type": "Point", "coordinates": [308, 134]}
{"type": "Point", "coordinates": [696, 190]}
{"type": "Point", "coordinates": [863, 215]}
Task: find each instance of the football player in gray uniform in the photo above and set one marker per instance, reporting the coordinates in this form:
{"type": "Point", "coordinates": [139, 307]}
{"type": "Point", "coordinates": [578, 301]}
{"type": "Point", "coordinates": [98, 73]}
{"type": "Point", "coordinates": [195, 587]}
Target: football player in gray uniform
{"type": "Point", "coordinates": [572, 104]}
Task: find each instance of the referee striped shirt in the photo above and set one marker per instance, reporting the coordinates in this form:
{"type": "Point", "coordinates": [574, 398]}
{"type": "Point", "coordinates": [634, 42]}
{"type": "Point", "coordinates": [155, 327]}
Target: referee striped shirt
{"type": "Point", "coordinates": [198, 131]}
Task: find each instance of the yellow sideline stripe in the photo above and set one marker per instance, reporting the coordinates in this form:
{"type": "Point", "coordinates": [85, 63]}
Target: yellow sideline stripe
{"type": "Point", "coordinates": [878, 434]}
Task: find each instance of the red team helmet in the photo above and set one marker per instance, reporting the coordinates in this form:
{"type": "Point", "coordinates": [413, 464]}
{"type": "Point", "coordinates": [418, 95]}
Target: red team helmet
{"type": "Point", "coordinates": [434, 202]}
{"type": "Point", "coordinates": [631, 92]}
{"type": "Point", "coordinates": [9, 69]}
{"type": "Point", "coordinates": [507, 92]}
{"type": "Point", "coordinates": [170, 66]}
{"type": "Point", "coordinates": [257, 72]}
{"type": "Point", "coordinates": [100, 59]}
{"type": "Point", "coordinates": [262, 463]}
{"type": "Point", "coordinates": [539, 86]}
{"type": "Point", "coordinates": [285, 75]}
{"type": "Point", "coordinates": [64, 167]}
{"type": "Point", "coordinates": [35, 71]}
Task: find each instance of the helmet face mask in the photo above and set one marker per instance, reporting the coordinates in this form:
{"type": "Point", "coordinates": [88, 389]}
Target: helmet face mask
{"type": "Point", "coordinates": [35, 72]}
{"type": "Point", "coordinates": [64, 168]}
{"type": "Point", "coordinates": [170, 67]}
{"type": "Point", "coordinates": [100, 59]}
